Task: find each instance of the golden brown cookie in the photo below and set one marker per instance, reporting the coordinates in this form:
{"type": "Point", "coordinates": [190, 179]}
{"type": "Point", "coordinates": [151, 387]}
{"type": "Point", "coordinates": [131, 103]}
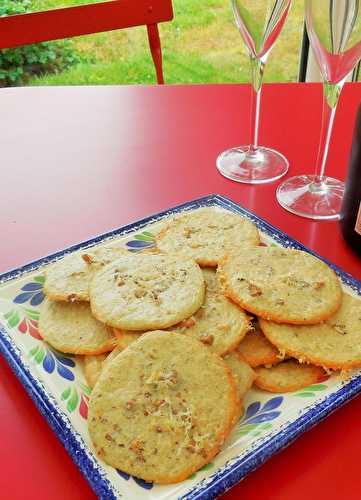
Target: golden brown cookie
{"type": "Point", "coordinates": [100, 256]}
{"type": "Point", "coordinates": [281, 285]}
{"type": "Point", "coordinates": [207, 234]}
{"type": "Point", "coordinates": [71, 328]}
{"type": "Point", "coordinates": [288, 376]}
{"type": "Point", "coordinates": [334, 344]}
{"type": "Point", "coordinates": [162, 423]}
{"type": "Point", "coordinates": [145, 292]}
{"type": "Point", "coordinates": [67, 279]}
{"type": "Point", "coordinates": [257, 350]}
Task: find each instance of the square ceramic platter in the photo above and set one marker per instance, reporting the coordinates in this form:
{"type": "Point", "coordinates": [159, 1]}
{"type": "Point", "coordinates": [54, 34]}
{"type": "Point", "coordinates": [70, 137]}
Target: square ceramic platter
{"type": "Point", "coordinates": [57, 386]}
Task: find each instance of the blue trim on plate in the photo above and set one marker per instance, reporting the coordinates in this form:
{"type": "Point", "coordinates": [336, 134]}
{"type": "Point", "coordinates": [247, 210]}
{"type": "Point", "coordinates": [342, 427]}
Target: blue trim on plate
{"type": "Point", "coordinates": [58, 421]}
{"type": "Point", "coordinates": [236, 469]}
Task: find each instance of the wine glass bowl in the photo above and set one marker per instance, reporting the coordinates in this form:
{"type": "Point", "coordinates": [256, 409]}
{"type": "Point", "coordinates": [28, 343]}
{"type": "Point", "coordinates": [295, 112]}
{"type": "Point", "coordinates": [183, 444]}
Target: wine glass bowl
{"type": "Point", "coordinates": [260, 23]}
{"type": "Point", "coordinates": [334, 30]}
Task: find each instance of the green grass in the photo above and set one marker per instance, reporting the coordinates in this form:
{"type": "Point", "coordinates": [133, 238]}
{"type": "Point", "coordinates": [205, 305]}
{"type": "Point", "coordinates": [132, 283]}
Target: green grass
{"type": "Point", "coordinates": [201, 45]}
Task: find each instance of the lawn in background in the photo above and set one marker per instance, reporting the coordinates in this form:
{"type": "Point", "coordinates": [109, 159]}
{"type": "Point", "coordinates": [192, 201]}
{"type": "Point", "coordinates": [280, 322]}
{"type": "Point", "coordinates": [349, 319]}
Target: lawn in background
{"type": "Point", "coordinates": [201, 45]}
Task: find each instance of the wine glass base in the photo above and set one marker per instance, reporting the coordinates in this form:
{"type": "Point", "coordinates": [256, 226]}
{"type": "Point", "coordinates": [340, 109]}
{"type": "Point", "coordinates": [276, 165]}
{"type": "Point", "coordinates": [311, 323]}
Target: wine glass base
{"type": "Point", "coordinates": [303, 196]}
{"type": "Point", "coordinates": [252, 166]}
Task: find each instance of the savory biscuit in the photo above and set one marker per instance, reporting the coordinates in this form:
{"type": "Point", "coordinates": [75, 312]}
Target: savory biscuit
{"type": "Point", "coordinates": [336, 343]}
{"type": "Point", "coordinates": [219, 323]}
{"type": "Point", "coordinates": [206, 235]}
{"type": "Point", "coordinates": [288, 376]}
{"type": "Point", "coordinates": [282, 285]}
{"type": "Point", "coordinates": [146, 292]}
{"type": "Point", "coordinates": [151, 413]}
{"type": "Point", "coordinates": [71, 328]}
{"type": "Point", "coordinates": [257, 350]}
{"type": "Point", "coordinates": [67, 279]}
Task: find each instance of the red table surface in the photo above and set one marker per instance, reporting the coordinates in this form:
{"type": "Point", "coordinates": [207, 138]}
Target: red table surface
{"type": "Point", "coordinates": [79, 161]}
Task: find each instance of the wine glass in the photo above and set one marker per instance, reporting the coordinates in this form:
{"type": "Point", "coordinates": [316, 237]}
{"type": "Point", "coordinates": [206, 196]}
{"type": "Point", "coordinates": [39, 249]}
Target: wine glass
{"type": "Point", "coordinates": [334, 30]}
{"type": "Point", "coordinates": [259, 22]}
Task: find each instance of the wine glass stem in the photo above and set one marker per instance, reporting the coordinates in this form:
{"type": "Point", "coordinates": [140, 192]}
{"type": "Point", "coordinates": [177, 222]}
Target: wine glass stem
{"type": "Point", "coordinates": [331, 94]}
{"type": "Point", "coordinates": [257, 70]}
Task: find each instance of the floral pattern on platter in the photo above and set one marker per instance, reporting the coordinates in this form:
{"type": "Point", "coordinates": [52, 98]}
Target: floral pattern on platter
{"type": "Point", "coordinates": [141, 241]}
{"type": "Point", "coordinates": [139, 482]}
{"type": "Point", "coordinates": [32, 292]}
{"type": "Point", "coordinates": [24, 320]}
{"type": "Point", "coordinates": [77, 398]}
{"type": "Point", "coordinates": [311, 391]}
{"type": "Point", "coordinates": [257, 417]}
{"type": "Point", "coordinates": [52, 361]}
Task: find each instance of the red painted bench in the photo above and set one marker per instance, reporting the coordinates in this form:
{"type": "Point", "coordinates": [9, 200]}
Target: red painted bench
{"type": "Point", "coordinates": [25, 29]}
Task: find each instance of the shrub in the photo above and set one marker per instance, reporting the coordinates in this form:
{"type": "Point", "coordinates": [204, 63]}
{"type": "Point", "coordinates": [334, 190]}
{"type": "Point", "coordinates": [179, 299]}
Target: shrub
{"type": "Point", "coordinates": [17, 65]}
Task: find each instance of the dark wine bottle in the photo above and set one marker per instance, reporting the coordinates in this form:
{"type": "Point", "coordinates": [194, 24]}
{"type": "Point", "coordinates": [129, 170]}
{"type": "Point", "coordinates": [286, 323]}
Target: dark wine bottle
{"type": "Point", "coordinates": [350, 218]}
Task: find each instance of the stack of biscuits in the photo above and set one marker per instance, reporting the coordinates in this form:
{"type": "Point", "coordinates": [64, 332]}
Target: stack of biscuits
{"type": "Point", "coordinates": [171, 340]}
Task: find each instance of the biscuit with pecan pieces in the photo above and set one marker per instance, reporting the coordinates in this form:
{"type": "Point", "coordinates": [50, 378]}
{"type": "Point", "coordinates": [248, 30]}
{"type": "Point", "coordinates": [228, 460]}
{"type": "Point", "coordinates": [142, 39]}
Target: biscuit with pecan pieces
{"type": "Point", "coordinates": [99, 256]}
{"type": "Point", "coordinates": [288, 376]}
{"type": "Point", "coordinates": [281, 284]}
{"type": "Point", "coordinates": [71, 328]}
{"type": "Point", "coordinates": [334, 344]}
{"type": "Point", "coordinates": [146, 292]}
{"type": "Point", "coordinates": [207, 234]}
{"type": "Point", "coordinates": [165, 421]}
{"type": "Point", "coordinates": [67, 279]}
